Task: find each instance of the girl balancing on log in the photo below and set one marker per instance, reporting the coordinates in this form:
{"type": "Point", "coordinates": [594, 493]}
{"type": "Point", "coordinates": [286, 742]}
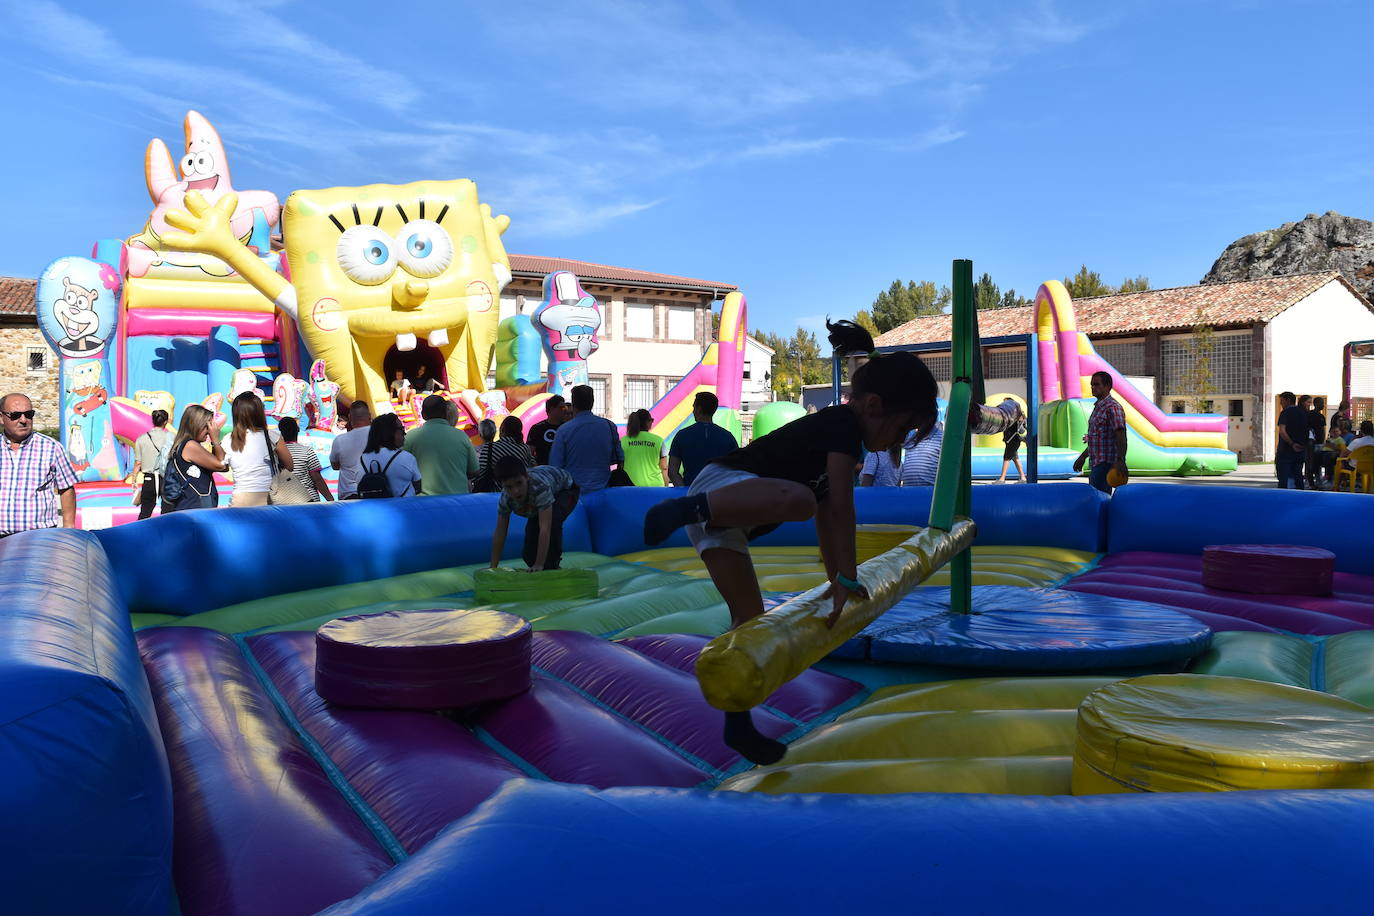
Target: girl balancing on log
{"type": "Point", "coordinates": [804, 469]}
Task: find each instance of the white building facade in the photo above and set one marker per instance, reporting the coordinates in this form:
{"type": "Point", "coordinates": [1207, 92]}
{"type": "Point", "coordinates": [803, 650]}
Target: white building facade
{"type": "Point", "coordinates": [655, 327]}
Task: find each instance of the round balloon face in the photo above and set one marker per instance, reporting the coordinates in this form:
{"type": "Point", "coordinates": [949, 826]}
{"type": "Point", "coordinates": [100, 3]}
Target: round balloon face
{"type": "Point", "coordinates": [1117, 479]}
{"type": "Point", "coordinates": [77, 302]}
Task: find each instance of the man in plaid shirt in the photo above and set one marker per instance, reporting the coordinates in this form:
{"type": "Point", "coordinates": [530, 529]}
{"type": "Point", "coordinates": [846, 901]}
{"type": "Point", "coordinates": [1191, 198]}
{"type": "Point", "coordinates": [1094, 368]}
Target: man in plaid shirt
{"type": "Point", "coordinates": [1106, 436]}
{"type": "Point", "coordinates": [33, 468]}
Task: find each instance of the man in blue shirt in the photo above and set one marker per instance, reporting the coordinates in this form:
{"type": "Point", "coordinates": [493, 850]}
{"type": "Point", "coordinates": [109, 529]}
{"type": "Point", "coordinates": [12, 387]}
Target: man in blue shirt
{"type": "Point", "coordinates": [587, 445]}
{"type": "Point", "coordinates": [698, 445]}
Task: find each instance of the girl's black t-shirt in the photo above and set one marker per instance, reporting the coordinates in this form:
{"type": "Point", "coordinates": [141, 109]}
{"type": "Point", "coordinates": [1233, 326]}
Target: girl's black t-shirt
{"type": "Point", "coordinates": [799, 450]}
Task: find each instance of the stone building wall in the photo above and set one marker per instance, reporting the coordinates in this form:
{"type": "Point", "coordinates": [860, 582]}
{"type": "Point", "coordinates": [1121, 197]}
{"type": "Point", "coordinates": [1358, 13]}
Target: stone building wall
{"type": "Point", "coordinates": [18, 339]}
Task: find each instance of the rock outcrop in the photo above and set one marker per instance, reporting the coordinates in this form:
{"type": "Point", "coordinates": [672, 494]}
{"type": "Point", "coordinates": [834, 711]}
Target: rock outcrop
{"type": "Point", "coordinates": [1327, 242]}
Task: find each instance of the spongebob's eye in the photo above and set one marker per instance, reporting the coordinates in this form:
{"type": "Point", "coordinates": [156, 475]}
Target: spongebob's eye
{"type": "Point", "coordinates": [427, 250]}
{"type": "Point", "coordinates": [367, 255]}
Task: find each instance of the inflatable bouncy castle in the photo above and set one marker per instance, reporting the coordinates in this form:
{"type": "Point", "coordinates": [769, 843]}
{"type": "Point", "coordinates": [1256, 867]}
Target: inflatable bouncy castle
{"type": "Point", "coordinates": [312, 305]}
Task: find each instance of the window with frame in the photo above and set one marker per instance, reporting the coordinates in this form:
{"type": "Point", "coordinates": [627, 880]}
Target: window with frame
{"type": "Point", "coordinates": [1228, 364]}
{"type": "Point", "coordinates": [748, 370]}
{"type": "Point", "coordinates": [36, 360]}
{"type": "Point", "coordinates": [939, 365]}
{"type": "Point", "coordinates": [1004, 363]}
{"type": "Point", "coordinates": [599, 391]}
{"type": "Point", "coordinates": [682, 323]}
{"type": "Point", "coordinates": [1128, 357]}
{"type": "Point", "coordinates": [639, 321]}
{"type": "Point", "coordinates": [639, 394]}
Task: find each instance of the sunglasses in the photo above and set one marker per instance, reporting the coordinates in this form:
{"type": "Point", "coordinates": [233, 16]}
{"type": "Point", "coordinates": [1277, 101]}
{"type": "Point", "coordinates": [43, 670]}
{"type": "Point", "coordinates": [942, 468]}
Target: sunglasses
{"type": "Point", "coordinates": [16, 414]}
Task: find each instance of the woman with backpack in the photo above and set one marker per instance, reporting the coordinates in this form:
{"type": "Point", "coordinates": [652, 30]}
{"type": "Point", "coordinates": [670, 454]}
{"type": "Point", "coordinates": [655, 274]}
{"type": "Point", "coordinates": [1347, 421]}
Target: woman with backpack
{"type": "Point", "coordinates": [189, 479]}
{"type": "Point", "coordinates": [387, 469]}
{"type": "Point", "coordinates": [150, 464]}
{"type": "Point", "coordinates": [247, 454]}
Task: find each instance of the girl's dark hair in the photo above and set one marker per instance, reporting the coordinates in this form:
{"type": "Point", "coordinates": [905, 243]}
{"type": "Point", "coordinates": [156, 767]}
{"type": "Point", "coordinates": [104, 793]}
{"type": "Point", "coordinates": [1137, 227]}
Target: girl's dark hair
{"type": "Point", "coordinates": [849, 338]}
{"type": "Point", "coordinates": [900, 379]}
{"type": "Point", "coordinates": [512, 429]}
{"type": "Point", "coordinates": [288, 428]}
{"type": "Point", "coordinates": [382, 433]}
{"type": "Point", "coordinates": [639, 421]}
{"type": "Point", "coordinates": [1366, 428]}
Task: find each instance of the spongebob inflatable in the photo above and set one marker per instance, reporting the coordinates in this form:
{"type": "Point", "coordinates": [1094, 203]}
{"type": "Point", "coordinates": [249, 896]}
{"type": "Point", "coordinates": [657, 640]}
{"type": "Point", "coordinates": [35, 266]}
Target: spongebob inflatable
{"type": "Point", "coordinates": [383, 277]}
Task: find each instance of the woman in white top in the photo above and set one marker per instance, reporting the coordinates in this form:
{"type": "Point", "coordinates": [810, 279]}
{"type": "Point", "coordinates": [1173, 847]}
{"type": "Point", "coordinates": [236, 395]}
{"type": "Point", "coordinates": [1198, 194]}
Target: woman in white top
{"type": "Point", "coordinates": [247, 452]}
{"type": "Point", "coordinates": [385, 437]}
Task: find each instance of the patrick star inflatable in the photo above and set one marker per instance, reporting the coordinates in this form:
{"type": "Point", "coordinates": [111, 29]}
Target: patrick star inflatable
{"type": "Point", "coordinates": [204, 168]}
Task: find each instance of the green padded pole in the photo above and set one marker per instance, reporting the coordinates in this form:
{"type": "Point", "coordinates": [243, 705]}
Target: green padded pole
{"type": "Point", "coordinates": [953, 481]}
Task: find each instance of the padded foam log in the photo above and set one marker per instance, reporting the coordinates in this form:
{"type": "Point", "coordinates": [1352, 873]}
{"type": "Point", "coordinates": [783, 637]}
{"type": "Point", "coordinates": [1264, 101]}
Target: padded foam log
{"type": "Point", "coordinates": [503, 584]}
{"type": "Point", "coordinates": [1202, 733]}
{"type": "Point", "coordinates": [1268, 569]}
{"type": "Point", "coordinates": [434, 659]}
{"type": "Point", "coordinates": [738, 670]}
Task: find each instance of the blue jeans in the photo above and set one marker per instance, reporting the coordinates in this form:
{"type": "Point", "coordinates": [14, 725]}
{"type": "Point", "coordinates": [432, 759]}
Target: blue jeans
{"type": "Point", "coordinates": [1097, 476]}
{"type": "Point", "coordinates": [1288, 466]}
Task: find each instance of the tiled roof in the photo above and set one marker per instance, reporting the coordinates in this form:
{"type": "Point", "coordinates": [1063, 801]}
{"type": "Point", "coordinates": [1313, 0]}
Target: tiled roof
{"type": "Point", "coordinates": [529, 264]}
{"type": "Point", "coordinates": [1243, 302]}
{"type": "Point", "coordinates": [16, 296]}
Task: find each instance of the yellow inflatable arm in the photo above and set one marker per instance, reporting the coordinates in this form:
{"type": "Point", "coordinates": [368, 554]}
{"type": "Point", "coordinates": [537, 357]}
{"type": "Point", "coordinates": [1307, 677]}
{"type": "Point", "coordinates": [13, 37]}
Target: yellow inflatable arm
{"type": "Point", "coordinates": [740, 669]}
{"type": "Point", "coordinates": [206, 229]}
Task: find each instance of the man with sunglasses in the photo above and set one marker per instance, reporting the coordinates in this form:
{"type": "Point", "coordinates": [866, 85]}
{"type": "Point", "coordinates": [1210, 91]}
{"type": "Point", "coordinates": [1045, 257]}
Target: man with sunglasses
{"type": "Point", "coordinates": [33, 467]}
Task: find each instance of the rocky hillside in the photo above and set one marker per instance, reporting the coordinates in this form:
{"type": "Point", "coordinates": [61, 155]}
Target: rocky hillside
{"type": "Point", "coordinates": [1327, 242]}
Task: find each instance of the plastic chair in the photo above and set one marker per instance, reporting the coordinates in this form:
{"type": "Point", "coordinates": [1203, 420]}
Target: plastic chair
{"type": "Point", "coordinates": [1362, 474]}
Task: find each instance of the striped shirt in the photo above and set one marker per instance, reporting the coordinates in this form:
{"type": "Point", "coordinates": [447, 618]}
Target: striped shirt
{"type": "Point", "coordinates": [923, 459]}
{"type": "Point", "coordinates": [544, 486]}
{"type": "Point", "coordinates": [1107, 417]}
{"type": "Point", "coordinates": [491, 452]}
{"type": "Point", "coordinates": [303, 461]}
{"type": "Point", "coordinates": [30, 477]}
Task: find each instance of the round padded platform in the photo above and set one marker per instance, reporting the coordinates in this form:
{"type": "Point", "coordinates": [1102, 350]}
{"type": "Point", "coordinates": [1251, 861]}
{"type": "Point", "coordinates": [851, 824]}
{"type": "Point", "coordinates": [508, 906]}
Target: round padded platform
{"type": "Point", "coordinates": [434, 659]}
{"type": "Point", "coordinates": [1196, 732]}
{"type": "Point", "coordinates": [505, 583]}
{"type": "Point", "coordinates": [1268, 569]}
{"type": "Point", "coordinates": [1026, 629]}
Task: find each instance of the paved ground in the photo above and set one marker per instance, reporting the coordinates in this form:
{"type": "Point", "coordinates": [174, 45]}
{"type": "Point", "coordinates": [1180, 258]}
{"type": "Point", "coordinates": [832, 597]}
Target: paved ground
{"type": "Point", "coordinates": [1247, 475]}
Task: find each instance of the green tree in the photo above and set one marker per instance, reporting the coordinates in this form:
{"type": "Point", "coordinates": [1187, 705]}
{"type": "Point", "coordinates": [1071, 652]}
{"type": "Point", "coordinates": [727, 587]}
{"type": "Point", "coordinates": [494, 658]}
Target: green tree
{"type": "Point", "coordinates": [797, 360]}
{"type": "Point", "coordinates": [864, 319]}
{"type": "Point", "coordinates": [1138, 285]}
{"type": "Point", "coordinates": [1010, 299]}
{"type": "Point", "coordinates": [1197, 380]}
{"type": "Point", "coordinates": [986, 295]}
{"type": "Point", "coordinates": [900, 303]}
{"type": "Point", "coordinates": [1086, 283]}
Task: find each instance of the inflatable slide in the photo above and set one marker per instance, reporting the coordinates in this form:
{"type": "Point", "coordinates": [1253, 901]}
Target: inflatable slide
{"type": "Point", "coordinates": [1161, 444]}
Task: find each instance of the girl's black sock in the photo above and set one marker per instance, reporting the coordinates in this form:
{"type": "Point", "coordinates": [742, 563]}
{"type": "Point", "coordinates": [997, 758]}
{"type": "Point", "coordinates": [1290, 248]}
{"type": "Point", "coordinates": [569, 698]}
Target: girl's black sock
{"type": "Point", "coordinates": [752, 744]}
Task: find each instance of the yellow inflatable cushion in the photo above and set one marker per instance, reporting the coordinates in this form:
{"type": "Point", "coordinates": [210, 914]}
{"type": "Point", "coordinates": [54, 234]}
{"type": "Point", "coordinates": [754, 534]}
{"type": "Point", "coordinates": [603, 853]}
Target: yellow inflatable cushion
{"type": "Point", "coordinates": [1004, 735]}
{"type": "Point", "coordinates": [1199, 733]}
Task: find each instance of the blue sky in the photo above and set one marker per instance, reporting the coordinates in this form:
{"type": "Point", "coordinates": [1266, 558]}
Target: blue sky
{"type": "Point", "coordinates": [809, 153]}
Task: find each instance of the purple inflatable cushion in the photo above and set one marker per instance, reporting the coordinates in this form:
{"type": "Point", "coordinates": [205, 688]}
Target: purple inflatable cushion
{"type": "Point", "coordinates": [1268, 569]}
{"type": "Point", "coordinates": [432, 659]}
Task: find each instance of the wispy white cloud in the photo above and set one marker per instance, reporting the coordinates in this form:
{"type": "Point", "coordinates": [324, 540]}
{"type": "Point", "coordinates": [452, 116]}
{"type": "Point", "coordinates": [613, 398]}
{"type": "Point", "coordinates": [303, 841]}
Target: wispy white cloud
{"type": "Point", "coordinates": [621, 101]}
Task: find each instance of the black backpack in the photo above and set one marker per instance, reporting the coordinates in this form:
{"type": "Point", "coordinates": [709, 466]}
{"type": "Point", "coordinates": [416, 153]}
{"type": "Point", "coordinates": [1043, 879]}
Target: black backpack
{"type": "Point", "coordinates": [374, 483]}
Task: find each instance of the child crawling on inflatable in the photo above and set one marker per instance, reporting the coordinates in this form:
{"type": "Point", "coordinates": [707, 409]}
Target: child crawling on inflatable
{"type": "Point", "coordinates": [545, 496]}
{"type": "Point", "coordinates": [804, 469]}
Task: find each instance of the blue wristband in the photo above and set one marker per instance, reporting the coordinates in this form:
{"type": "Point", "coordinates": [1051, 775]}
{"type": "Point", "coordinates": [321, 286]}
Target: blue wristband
{"type": "Point", "coordinates": [852, 585]}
